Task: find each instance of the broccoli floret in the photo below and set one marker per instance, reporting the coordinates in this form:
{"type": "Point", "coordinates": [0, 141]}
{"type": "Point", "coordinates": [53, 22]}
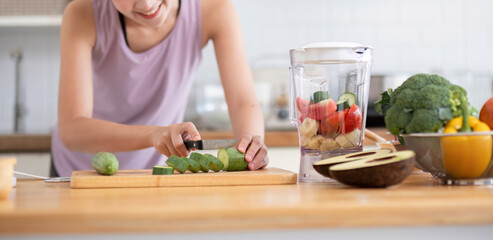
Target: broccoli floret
{"type": "Point", "coordinates": [423, 103]}
{"type": "Point", "coordinates": [396, 119]}
{"type": "Point", "coordinates": [424, 120]}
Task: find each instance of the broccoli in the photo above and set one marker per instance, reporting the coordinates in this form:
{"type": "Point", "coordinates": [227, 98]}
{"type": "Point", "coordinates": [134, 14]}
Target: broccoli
{"type": "Point", "coordinates": [423, 103]}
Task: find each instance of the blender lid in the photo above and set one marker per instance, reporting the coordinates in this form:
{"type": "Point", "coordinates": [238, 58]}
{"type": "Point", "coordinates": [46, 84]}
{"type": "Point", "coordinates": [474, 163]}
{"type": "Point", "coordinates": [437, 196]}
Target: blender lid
{"type": "Point", "coordinates": [331, 45]}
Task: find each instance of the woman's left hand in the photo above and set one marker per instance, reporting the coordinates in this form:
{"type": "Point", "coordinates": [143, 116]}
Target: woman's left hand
{"type": "Point", "coordinates": [255, 151]}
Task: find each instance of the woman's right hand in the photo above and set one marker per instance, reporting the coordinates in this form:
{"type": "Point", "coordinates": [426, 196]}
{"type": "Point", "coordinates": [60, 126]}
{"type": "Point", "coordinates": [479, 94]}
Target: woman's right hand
{"type": "Point", "coordinates": [169, 140]}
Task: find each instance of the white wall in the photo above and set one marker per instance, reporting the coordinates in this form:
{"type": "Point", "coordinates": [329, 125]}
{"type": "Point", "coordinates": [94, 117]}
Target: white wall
{"type": "Point", "coordinates": [445, 36]}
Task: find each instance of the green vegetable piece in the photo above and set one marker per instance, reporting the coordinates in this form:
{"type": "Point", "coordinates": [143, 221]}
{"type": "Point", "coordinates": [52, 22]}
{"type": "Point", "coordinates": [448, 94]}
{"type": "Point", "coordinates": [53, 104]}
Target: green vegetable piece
{"type": "Point", "coordinates": [162, 170]}
{"type": "Point", "coordinates": [381, 106]}
{"type": "Point", "coordinates": [465, 120]}
{"type": "Point", "coordinates": [205, 163]}
{"type": "Point", "coordinates": [194, 165]}
{"type": "Point", "coordinates": [232, 159]}
{"type": "Point", "coordinates": [423, 103]}
{"type": "Point", "coordinates": [342, 104]}
{"type": "Point", "coordinates": [180, 164]}
{"type": "Point", "coordinates": [320, 96]}
{"type": "Point", "coordinates": [349, 97]}
{"type": "Point", "coordinates": [216, 164]}
{"type": "Point", "coordinates": [105, 163]}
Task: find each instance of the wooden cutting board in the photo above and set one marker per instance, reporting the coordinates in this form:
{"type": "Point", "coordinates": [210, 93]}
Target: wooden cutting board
{"type": "Point", "coordinates": [144, 178]}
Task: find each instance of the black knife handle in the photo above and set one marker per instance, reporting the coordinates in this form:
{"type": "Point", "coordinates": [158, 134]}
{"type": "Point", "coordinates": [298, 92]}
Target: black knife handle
{"type": "Point", "coordinates": [193, 144]}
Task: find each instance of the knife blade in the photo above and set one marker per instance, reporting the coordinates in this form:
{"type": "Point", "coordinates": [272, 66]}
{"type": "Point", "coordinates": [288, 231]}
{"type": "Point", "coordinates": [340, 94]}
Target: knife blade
{"type": "Point", "coordinates": [210, 144]}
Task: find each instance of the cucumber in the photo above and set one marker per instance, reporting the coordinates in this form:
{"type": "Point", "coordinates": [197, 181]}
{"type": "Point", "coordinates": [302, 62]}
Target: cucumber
{"type": "Point", "coordinates": [320, 96]}
{"type": "Point", "coordinates": [232, 159]}
{"type": "Point", "coordinates": [162, 170]}
{"type": "Point", "coordinates": [194, 165]}
{"type": "Point", "coordinates": [349, 96]}
{"type": "Point", "coordinates": [105, 163]}
{"type": "Point", "coordinates": [205, 163]}
{"type": "Point", "coordinates": [343, 104]}
{"type": "Point", "coordinates": [216, 164]}
{"type": "Point", "coordinates": [178, 163]}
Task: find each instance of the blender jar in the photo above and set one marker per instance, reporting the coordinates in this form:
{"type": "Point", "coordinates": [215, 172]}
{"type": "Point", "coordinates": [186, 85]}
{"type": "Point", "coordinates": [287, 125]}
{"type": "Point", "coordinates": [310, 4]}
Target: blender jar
{"type": "Point", "coordinates": [329, 88]}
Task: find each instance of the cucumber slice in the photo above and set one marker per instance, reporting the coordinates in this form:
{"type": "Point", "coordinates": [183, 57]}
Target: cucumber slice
{"type": "Point", "coordinates": [162, 170]}
{"type": "Point", "coordinates": [105, 163]}
{"type": "Point", "coordinates": [320, 96]}
{"type": "Point", "coordinates": [194, 165]}
{"type": "Point", "coordinates": [232, 159]}
{"type": "Point", "coordinates": [205, 163]}
{"type": "Point", "coordinates": [343, 104]}
{"type": "Point", "coordinates": [349, 96]}
{"type": "Point", "coordinates": [216, 164]}
{"type": "Point", "coordinates": [179, 164]}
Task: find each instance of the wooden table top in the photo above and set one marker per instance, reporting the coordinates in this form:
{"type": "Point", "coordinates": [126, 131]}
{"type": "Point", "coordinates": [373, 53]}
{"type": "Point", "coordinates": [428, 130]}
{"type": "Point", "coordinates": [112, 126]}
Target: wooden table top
{"type": "Point", "coordinates": [38, 207]}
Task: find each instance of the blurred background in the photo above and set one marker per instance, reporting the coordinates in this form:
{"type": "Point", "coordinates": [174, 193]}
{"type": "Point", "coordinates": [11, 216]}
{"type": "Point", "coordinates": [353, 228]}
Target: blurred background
{"type": "Point", "coordinates": [453, 38]}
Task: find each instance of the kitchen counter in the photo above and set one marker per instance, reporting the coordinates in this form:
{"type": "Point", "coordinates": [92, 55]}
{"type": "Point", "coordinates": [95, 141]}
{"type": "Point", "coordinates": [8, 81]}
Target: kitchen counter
{"type": "Point", "coordinates": [38, 207]}
{"type": "Point", "coordinates": [42, 142]}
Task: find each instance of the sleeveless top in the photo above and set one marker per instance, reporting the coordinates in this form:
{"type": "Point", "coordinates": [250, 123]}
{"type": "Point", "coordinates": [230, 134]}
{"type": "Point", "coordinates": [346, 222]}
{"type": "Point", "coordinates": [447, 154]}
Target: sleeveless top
{"type": "Point", "coordinates": [147, 88]}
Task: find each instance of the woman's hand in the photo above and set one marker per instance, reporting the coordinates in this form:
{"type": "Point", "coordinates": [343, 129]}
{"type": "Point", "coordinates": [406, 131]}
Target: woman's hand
{"type": "Point", "coordinates": [169, 140]}
{"type": "Point", "coordinates": [255, 151]}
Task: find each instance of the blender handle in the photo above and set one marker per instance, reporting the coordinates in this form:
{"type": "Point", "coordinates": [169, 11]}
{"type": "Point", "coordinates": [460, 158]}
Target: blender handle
{"type": "Point", "coordinates": [292, 99]}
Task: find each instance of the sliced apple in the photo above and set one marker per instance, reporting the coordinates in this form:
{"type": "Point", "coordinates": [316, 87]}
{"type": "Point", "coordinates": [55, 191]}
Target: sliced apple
{"type": "Point", "coordinates": [379, 171]}
{"type": "Point", "coordinates": [322, 166]}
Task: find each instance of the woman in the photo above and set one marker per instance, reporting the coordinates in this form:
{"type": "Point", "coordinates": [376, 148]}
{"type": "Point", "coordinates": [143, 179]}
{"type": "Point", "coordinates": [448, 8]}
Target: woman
{"type": "Point", "coordinates": [126, 71]}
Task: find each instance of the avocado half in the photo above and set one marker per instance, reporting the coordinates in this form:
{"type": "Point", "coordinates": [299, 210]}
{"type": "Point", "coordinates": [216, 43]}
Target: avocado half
{"type": "Point", "coordinates": [379, 171]}
{"type": "Point", "coordinates": [323, 166]}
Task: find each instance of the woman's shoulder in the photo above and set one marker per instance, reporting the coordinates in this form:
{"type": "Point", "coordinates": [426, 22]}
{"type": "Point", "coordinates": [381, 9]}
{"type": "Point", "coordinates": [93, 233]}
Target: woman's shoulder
{"type": "Point", "coordinates": [79, 15]}
{"type": "Point", "coordinates": [81, 9]}
{"type": "Point", "coordinates": [211, 8]}
{"type": "Point", "coordinates": [215, 14]}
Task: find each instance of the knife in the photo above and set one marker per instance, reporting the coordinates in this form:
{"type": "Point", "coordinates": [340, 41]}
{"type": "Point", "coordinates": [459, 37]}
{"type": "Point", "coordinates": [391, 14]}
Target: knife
{"type": "Point", "coordinates": [210, 144]}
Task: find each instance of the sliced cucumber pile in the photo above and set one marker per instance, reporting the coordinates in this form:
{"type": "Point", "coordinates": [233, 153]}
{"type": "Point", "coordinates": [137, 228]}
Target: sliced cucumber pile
{"type": "Point", "coordinates": [205, 163]}
{"type": "Point", "coordinates": [216, 164]}
{"type": "Point", "coordinates": [180, 164]}
{"type": "Point", "coordinates": [194, 165]}
{"type": "Point", "coordinates": [228, 159]}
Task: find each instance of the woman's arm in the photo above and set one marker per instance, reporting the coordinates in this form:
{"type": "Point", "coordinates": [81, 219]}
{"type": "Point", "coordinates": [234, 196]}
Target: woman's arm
{"type": "Point", "coordinates": [221, 24]}
{"type": "Point", "coordinates": [78, 130]}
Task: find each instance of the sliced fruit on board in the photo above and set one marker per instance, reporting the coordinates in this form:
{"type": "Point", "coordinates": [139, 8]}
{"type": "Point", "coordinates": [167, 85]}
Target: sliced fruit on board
{"type": "Point", "coordinates": [380, 171]}
{"type": "Point", "coordinates": [194, 165]}
{"type": "Point", "coordinates": [216, 164]}
{"type": "Point", "coordinates": [232, 159]}
{"type": "Point", "coordinates": [322, 166]}
{"type": "Point", "coordinates": [105, 163]}
{"type": "Point", "coordinates": [205, 163]}
{"type": "Point", "coordinates": [162, 170]}
{"type": "Point", "coordinates": [180, 164]}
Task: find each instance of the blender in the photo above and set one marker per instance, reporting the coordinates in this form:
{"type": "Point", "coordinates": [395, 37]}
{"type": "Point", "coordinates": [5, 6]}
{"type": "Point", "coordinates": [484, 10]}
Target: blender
{"type": "Point", "coordinates": [329, 88]}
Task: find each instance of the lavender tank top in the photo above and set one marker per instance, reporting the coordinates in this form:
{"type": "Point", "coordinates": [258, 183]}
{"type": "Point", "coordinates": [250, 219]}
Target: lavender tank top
{"type": "Point", "coordinates": [147, 88]}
